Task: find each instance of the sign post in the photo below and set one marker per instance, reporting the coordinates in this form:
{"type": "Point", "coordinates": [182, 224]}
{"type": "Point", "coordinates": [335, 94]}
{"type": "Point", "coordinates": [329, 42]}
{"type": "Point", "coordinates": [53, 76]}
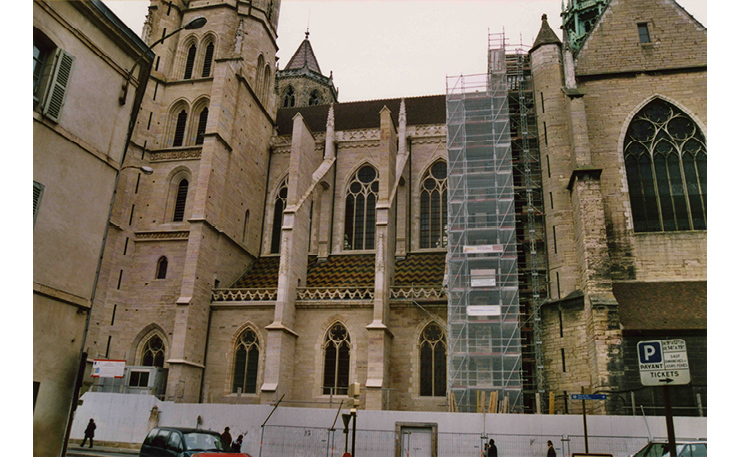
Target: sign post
{"type": "Point", "coordinates": [662, 363]}
{"type": "Point", "coordinates": [583, 397]}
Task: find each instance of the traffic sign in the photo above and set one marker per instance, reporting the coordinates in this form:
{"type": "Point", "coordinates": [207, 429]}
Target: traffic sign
{"type": "Point", "coordinates": [663, 362]}
{"type": "Point", "coordinates": [588, 396]}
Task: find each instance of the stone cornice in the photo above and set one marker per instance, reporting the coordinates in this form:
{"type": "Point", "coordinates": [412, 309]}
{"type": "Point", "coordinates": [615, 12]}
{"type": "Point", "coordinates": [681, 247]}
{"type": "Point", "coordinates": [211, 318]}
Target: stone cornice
{"type": "Point", "coordinates": [163, 235]}
{"type": "Point", "coordinates": [180, 153]}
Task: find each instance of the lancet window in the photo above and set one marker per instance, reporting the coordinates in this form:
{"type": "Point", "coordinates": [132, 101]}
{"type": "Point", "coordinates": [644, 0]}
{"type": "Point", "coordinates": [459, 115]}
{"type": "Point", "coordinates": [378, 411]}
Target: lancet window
{"type": "Point", "coordinates": [359, 218]}
{"type": "Point", "coordinates": [336, 361]}
{"type": "Point", "coordinates": [433, 206]}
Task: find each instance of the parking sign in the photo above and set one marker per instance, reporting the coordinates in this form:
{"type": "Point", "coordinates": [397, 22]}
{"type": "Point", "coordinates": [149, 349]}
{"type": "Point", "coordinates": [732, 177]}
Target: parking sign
{"type": "Point", "coordinates": [663, 362]}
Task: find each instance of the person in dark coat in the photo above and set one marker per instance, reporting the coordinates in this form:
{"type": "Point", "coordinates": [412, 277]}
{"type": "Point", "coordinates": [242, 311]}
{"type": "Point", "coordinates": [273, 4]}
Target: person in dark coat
{"type": "Point", "coordinates": [236, 446]}
{"type": "Point", "coordinates": [226, 438]}
{"type": "Point", "coordinates": [492, 451]}
{"type": "Point", "coordinates": [550, 449]}
{"type": "Point", "coordinates": [89, 433]}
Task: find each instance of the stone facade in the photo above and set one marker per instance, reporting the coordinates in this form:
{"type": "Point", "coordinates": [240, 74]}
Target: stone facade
{"type": "Point", "coordinates": [82, 54]}
{"type": "Point", "coordinates": [258, 159]}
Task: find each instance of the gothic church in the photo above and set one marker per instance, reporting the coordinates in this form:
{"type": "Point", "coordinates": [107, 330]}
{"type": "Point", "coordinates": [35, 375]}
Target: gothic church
{"type": "Point", "coordinates": [288, 244]}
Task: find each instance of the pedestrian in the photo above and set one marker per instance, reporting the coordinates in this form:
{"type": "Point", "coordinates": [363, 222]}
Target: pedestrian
{"type": "Point", "coordinates": [492, 451]}
{"type": "Point", "coordinates": [89, 433]}
{"type": "Point", "coordinates": [550, 449]}
{"type": "Point", "coordinates": [226, 438]}
{"type": "Point", "coordinates": [236, 446]}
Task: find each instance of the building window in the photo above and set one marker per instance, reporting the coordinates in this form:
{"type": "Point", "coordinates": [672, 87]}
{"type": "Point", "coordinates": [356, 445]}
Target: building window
{"type": "Point", "coordinates": [266, 81]}
{"type": "Point", "coordinates": [38, 192]}
{"type": "Point", "coordinates": [258, 74]}
{"type": "Point", "coordinates": [433, 204]}
{"type": "Point", "coordinates": [336, 361]}
{"type": "Point", "coordinates": [359, 217]}
{"type": "Point", "coordinates": [208, 61]}
{"type": "Point", "coordinates": [162, 268]}
{"type": "Point", "coordinates": [314, 98]}
{"type": "Point", "coordinates": [246, 363]}
{"type": "Point", "coordinates": [277, 218]}
{"type": "Point", "coordinates": [52, 69]}
{"type": "Point", "coordinates": [202, 121]}
{"type": "Point", "coordinates": [433, 362]}
{"type": "Point", "coordinates": [182, 119]}
{"type": "Point", "coordinates": [182, 196]}
{"type": "Point", "coordinates": [138, 379]}
{"type": "Point", "coordinates": [152, 354]}
{"type": "Point", "coordinates": [642, 30]}
{"type": "Point", "coordinates": [289, 97]}
{"type": "Point", "coordinates": [665, 156]}
{"type": "Point", "coordinates": [190, 62]}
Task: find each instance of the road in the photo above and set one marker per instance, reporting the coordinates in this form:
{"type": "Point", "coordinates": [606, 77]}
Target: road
{"type": "Point", "coordinates": [74, 450]}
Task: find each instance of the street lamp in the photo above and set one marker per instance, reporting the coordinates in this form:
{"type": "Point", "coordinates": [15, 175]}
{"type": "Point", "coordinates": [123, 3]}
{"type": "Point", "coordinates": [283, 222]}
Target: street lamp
{"type": "Point", "coordinates": [193, 24]}
{"type": "Point", "coordinates": [144, 169]}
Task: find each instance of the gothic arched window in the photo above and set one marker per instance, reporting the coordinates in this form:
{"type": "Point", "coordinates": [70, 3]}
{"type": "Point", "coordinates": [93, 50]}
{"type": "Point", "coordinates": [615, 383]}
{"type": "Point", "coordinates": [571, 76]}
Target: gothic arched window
{"type": "Point", "coordinates": [359, 218]}
{"type": "Point", "coordinates": [162, 268]}
{"type": "Point", "coordinates": [433, 206]}
{"type": "Point", "coordinates": [433, 362]}
{"type": "Point", "coordinates": [190, 62]}
{"type": "Point", "coordinates": [246, 362]}
{"type": "Point", "coordinates": [277, 218]}
{"type": "Point", "coordinates": [665, 157]}
{"type": "Point", "coordinates": [152, 354]}
{"type": "Point", "coordinates": [182, 119]}
{"type": "Point", "coordinates": [202, 121]}
{"type": "Point", "coordinates": [289, 97]}
{"type": "Point", "coordinates": [314, 98]}
{"type": "Point", "coordinates": [208, 61]}
{"type": "Point", "coordinates": [180, 200]}
{"type": "Point", "coordinates": [336, 361]}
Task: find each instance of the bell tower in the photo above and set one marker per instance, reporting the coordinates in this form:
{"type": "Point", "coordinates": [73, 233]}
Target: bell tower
{"type": "Point", "coordinates": [204, 128]}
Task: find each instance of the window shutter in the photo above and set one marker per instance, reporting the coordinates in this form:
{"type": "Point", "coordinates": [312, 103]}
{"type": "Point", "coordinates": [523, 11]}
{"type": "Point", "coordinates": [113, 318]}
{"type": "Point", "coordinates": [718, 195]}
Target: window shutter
{"type": "Point", "coordinates": [57, 92]}
{"type": "Point", "coordinates": [38, 191]}
{"type": "Point", "coordinates": [208, 61]}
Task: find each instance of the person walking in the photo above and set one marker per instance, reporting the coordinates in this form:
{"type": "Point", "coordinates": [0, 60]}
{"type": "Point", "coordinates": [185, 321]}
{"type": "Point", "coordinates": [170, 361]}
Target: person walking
{"type": "Point", "coordinates": [236, 446]}
{"type": "Point", "coordinates": [550, 449]}
{"type": "Point", "coordinates": [89, 433]}
{"type": "Point", "coordinates": [226, 438]}
{"type": "Point", "coordinates": [492, 451]}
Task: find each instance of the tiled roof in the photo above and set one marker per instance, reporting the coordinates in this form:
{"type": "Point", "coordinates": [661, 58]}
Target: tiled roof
{"type": "Point", "coordinates": [348, 270]}
{"type": "Point", "coordinates": [304, 57]}
{"type": "Point", "coordinates": [430, 109]}
{"type": "Point", "coordinates": [662, 305]}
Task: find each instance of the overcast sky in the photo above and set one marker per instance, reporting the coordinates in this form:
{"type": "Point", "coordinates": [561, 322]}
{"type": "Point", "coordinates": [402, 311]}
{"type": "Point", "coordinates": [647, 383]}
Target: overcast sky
{"type": "Point", "coordinates": [391, 48]}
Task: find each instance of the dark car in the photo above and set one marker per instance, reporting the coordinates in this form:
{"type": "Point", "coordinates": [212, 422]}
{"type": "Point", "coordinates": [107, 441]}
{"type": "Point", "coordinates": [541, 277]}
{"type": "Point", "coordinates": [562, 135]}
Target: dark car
{"type": "Point", "coordinates": [183, 442]}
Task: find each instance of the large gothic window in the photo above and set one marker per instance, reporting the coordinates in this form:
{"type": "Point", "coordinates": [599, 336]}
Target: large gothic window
{"type": "Point", "coordinates": [314, 98]}
{"type": "Point", "coordinates": [182, 119]}
{"type": "Point", "coordinates": [246, 362]}
{"type": "Point", "coordinates": [277, 218]}
{"type": "Point", "coordinates": [152, 354]}
{"type": "Point", "coordinates": [433, 205]}
{"type": "Point", "coordinates": [665, 156]}
{"type": "Point", "coordinates": [289, 97]}
{"type": "Point", "coordinates": [336, 361]}
{"type": "Point", "coordinates": [359, 218]}
{"type": "Point", "coordinates": [433, 362]}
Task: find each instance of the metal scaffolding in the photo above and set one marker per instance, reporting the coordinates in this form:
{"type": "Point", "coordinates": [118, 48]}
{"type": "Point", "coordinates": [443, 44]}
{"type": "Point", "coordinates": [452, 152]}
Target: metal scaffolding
{"type": "Point", "coordinates": [484, 352]}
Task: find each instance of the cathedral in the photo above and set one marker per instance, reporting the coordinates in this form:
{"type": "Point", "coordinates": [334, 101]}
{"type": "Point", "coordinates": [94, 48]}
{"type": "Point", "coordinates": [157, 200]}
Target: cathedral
{"type": "Point", "coordinates": [502, 246]}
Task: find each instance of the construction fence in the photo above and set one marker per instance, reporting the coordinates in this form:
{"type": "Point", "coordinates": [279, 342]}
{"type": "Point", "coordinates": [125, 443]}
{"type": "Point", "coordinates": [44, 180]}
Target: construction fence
{"type": "Point", "coordinates": [283, 441]}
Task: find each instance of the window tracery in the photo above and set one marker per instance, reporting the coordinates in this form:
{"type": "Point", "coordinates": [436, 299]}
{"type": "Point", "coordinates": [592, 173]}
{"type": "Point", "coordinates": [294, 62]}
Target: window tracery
{"type": "Point", "coordinates": [246, 362]}
{"type": "Point", "coordinates": [359, 217]}
{"type": "Point", "coordinates": [433, 207]}
{"type": "Point", "coordinates": [433, 362]}
{"type": "Point", "coordinates": [665, 158]}
{"type": "Point", "coordinates": [336, 361]}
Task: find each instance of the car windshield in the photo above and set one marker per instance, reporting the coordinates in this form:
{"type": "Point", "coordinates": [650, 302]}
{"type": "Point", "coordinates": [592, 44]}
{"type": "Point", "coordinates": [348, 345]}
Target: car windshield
{"type": "Point", "coordinates": [653, 450]}
{"type": "Point", "coordinates": [690, 450]}
{"type": "Point", "coordinates": [196, 441]}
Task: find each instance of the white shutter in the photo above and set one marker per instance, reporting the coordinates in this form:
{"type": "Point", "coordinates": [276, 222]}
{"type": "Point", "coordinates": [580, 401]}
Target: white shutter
{"type": "Point", "coordinates": [38, 191]}
{"type": "Point", "coordinates": [57, 91]}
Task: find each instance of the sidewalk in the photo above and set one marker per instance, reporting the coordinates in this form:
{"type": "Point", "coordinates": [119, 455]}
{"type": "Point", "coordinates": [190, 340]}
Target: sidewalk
{"type": "Point", "coordinates": [97, 451]}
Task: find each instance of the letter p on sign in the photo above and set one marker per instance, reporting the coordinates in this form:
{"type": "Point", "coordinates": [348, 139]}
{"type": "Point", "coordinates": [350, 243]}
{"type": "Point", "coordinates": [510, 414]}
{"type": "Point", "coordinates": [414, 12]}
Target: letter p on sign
{"type": "Point", "coordinates": [649, 352]}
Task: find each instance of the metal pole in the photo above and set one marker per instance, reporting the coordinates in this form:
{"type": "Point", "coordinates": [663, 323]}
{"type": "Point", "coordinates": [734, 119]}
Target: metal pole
{"type": "Point", "coordinates": [262, 434]}
{"type": "Point", "coordinates": [354, 430]}
{"type": "Point", "coordinates": [669, 421]}
{"type": "Point", "coordinates": [585, 427]}
{"type": "Point", "coordinates": [698, 402]}
{"type": "Point", "coordinates": [632, 397]}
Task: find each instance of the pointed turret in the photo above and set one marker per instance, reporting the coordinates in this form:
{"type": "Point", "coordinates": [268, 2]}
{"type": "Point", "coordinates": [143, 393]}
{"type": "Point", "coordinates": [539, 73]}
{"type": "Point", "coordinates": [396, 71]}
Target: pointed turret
{"type": "Point", "coordinates": [546, 35]}
{"type": "Point", "coordinates": [579, 17]}
{"type": "Point", "coordinates": [301, 82]}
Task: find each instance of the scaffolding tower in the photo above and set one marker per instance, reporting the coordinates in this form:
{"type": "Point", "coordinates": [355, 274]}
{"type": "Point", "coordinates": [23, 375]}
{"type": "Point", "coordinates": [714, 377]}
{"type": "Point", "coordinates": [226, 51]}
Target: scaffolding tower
{"type": "Point", "coordinates": [484, 352]}
{"type": "Point", "coordinates": [497, 259]}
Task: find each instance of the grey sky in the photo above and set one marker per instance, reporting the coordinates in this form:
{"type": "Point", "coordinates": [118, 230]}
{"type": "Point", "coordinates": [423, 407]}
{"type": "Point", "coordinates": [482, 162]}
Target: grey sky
{"type": "Point", "coordinates": [392, 48]}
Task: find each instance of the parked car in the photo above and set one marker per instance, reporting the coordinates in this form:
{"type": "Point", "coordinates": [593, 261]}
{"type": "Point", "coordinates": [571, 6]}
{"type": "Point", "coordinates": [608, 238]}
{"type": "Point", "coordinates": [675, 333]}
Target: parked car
{"type": "Point", "coordinates": [184, 442]}
{"type": "Point", "coordinates": [659, 448]}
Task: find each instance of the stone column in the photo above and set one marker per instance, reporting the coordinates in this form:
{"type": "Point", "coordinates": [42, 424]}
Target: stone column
{"type": "Point", "coordinates": [379, 337]}
{"type": "Point", "coordinates": [281, 337]}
